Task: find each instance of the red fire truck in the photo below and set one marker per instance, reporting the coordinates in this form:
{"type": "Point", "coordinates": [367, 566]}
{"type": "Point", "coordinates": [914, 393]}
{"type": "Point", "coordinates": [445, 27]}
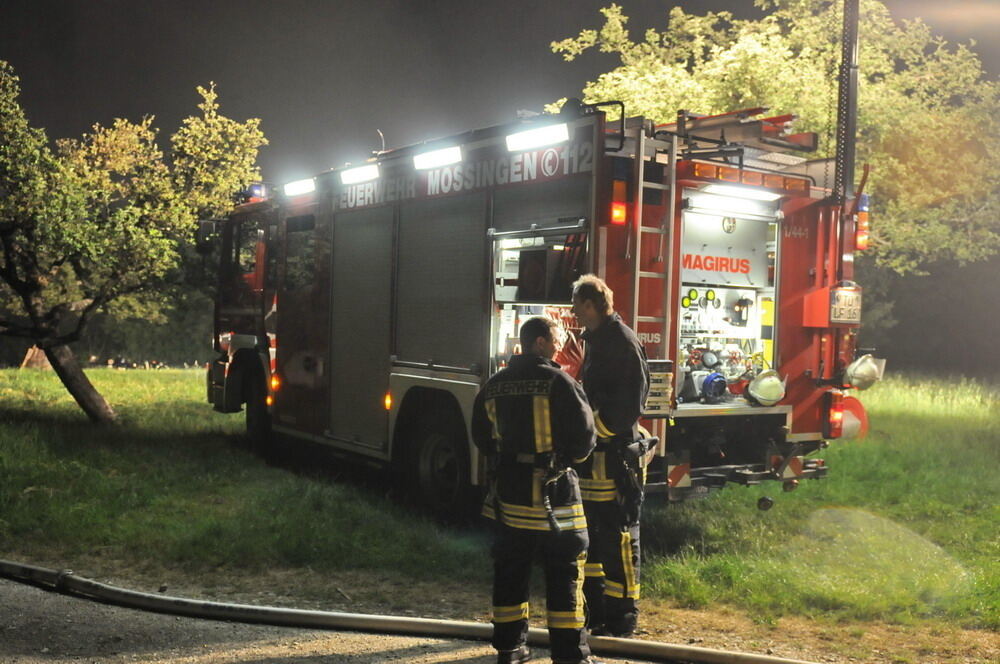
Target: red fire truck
{"type": "Point", "coordinates": [363, 308]}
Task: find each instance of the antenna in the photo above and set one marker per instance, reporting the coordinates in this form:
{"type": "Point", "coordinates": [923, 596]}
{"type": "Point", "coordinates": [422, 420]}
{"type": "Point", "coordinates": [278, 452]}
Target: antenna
{"type": "Point", "coordinates": [382, 136]}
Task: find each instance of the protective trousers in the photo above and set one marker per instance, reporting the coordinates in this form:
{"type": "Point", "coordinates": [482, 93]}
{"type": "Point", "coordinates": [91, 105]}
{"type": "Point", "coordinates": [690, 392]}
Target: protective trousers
{"type": "Point", "coordinates": [563, 554]}
{"type": "Point", "coordinates": [612, 570]}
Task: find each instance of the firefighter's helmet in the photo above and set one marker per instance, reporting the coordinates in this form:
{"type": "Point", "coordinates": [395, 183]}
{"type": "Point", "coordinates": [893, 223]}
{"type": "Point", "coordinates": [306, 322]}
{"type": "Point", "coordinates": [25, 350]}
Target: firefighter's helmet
{"type": "Point", "coordinates": [766, 388]}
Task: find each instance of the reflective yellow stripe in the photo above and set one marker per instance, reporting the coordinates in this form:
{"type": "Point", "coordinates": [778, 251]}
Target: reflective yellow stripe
{"type": "Point", "coordinates": [576, 523]}
{"type": "Point", "coordinates": [598, 488]}
{"type": "Point", "coordinates": [536, 487]}
{"type": "Point", "coordinates": [601, 496]}
{"type": "Point", "coordinates": [581, 563]}
{"type": "Point", "coordinates": [593, 570]}
{"type": "Point", "coordinates": [602, 431]}
{"type": "Point", "coordinates": [543, 425]}
{"type": "Point", "coordinates": [564, 619]}
{"type": "Point", "coordinates": [631, 583]}
{"type": "Point", "coordinates": [505, 614]}
{"type": "Point", "coordinates": [612, 589]}
{"type": "Point", "coordinates": [599, 485]}
{"type": "Point", "coordinates": [539, 512]}
{"type": "Point", "coordinates": [491, 412]}
{"type": "Point", "coordinates": [598, 471]}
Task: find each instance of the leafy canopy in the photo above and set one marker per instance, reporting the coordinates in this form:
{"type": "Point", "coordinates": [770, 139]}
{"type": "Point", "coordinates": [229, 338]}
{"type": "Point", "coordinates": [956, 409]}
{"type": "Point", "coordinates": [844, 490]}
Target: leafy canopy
{"type": "Point", "coordinates": [927, 115]}
{"type": "Point", "coordinates": [96, 223]}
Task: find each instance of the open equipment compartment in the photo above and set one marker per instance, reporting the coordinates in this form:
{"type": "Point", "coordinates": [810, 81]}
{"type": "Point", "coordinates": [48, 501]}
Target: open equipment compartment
{"type": "Point", "coordinates": [726, 303]}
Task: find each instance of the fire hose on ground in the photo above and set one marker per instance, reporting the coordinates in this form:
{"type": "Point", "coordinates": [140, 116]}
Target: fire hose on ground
{"type": "Point", "coordinates": [67, 583]}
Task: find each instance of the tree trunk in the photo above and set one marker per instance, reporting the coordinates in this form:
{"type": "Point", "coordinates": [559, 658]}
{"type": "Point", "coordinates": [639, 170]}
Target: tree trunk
{"type": "Point", "coordinates": [71, 374]}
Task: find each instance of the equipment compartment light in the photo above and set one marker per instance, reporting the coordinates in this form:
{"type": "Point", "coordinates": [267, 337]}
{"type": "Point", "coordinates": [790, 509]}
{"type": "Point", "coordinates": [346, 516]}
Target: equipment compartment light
{"type": "Point", "coordinates": [437, 158]}
{"type": "Point", "coordinates": [299, 187]}
{"type": "Point", "coordinates": [359, 174]}
{"type": "Point", "coordinates": [741, 192]}
{"type": "Point", "coordinates": [728, 205]}
{"type": "Point", "coordinates": [538, 137]}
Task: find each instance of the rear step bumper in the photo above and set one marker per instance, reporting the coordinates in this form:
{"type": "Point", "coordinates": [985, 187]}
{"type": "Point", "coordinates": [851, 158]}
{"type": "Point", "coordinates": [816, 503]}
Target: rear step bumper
{"type": "Point", "coordinates": [716, 477]}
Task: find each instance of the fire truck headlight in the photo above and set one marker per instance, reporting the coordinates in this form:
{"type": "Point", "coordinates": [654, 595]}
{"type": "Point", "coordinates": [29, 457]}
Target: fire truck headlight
{"type": "Point", "coordinates": [538, 137]}
{"type": "Point", "coordinates": [864, 372]}
{"type": "Point", "coordinates": [767, 388]}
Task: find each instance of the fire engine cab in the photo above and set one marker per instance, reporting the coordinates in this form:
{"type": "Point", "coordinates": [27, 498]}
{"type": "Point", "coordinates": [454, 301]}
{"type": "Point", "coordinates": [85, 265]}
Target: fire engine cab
{"type": "Point", "coordinates": [364, 308]}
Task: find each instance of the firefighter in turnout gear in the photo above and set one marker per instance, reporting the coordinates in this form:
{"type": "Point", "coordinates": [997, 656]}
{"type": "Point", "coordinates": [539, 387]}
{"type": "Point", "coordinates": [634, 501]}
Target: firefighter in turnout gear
{"type": "Point", "coordinates": [531, 420]}
{"type": "Point", "coordinates": [616, 379]}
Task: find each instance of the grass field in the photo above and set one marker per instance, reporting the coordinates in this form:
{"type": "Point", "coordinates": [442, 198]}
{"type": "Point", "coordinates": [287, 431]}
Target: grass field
{"type": "Point", "coordinates": [904, 529]}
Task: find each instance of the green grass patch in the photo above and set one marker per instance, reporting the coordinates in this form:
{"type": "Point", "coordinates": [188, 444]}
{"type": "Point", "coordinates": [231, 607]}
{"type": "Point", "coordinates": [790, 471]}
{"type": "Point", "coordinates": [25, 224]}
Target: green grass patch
{"type": "Point", "coordinates": [904, 528]}
{"type": "Point", "coordinates": [170, 484]}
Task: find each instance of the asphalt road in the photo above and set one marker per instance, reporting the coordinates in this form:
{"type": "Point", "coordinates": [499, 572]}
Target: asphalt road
{"type": "Point", "coordinates": [37, 627]}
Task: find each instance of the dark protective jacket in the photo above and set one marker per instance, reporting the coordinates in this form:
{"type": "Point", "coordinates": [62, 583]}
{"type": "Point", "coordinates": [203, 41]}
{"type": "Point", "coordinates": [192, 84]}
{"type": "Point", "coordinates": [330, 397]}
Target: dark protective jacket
{"type": "Point", "coordinates": [616, 379]}
{"type": "Point", "coordinates": [528, 418]}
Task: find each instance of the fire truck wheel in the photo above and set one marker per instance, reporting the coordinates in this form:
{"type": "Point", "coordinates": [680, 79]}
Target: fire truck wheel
{"type": "Point", "coordinates": [258, 419]}
{"type": "Point", "coordinates": [442, 471]}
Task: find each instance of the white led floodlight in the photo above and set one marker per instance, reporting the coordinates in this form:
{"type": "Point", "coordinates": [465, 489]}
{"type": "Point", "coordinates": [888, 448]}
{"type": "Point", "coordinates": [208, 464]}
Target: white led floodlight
{"type": "Point", "coordinates": [300, 187]}
{"type": "Point", "coordinates": [437, 158]}
{"type": "Point", "coordinates": [538, 137]}
{"type": "Point", "coordinates": [359, 174]}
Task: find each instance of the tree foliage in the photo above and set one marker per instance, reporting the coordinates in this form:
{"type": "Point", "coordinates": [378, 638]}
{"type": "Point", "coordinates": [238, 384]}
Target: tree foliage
{"type": "Point", "coordinates": [927, 114]}
{"type": "Point", "coordinates": [97, 224]}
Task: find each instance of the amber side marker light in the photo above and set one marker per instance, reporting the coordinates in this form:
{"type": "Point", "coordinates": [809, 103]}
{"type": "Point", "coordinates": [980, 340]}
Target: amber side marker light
{"type": "Point", "coordinates": [619, 204]}
{"type": "Point", "coordinates": [275, 383]}
{"type": "Point", "coordinates": [862, 232]}
{"type": "Point", "coordinates": [388, 401]}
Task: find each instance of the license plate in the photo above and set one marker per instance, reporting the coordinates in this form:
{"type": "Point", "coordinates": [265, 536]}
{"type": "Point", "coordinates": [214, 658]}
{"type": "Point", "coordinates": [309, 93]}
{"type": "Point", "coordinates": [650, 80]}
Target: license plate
{"type": "Point", "coordinates": [845, 305]}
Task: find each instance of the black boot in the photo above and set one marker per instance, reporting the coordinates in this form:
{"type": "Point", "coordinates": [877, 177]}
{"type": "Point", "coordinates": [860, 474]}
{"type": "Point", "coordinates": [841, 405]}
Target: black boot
{"type": "Point", "coordinates": [521, 654]}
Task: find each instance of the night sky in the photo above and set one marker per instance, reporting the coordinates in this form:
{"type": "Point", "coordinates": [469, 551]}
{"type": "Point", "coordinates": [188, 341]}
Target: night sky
{"type": "Point", "coordinates": [325, 74]}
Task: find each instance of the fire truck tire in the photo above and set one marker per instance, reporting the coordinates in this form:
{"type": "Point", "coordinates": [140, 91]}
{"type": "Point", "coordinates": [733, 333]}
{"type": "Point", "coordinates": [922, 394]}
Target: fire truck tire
{"type": "Point", "coordinates": [258, 419]}
{"type": "Point", "coordinates": [441, 469]}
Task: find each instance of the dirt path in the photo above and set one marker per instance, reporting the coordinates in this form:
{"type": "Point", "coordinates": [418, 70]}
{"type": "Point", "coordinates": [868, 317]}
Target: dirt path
{"type": "Point", "coordinates": [38, 626]}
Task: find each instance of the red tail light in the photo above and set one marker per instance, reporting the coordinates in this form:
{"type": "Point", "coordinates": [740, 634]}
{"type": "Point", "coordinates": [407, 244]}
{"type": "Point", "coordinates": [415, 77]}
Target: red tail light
{"type": "Point", "coordinates": [835, 414]}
